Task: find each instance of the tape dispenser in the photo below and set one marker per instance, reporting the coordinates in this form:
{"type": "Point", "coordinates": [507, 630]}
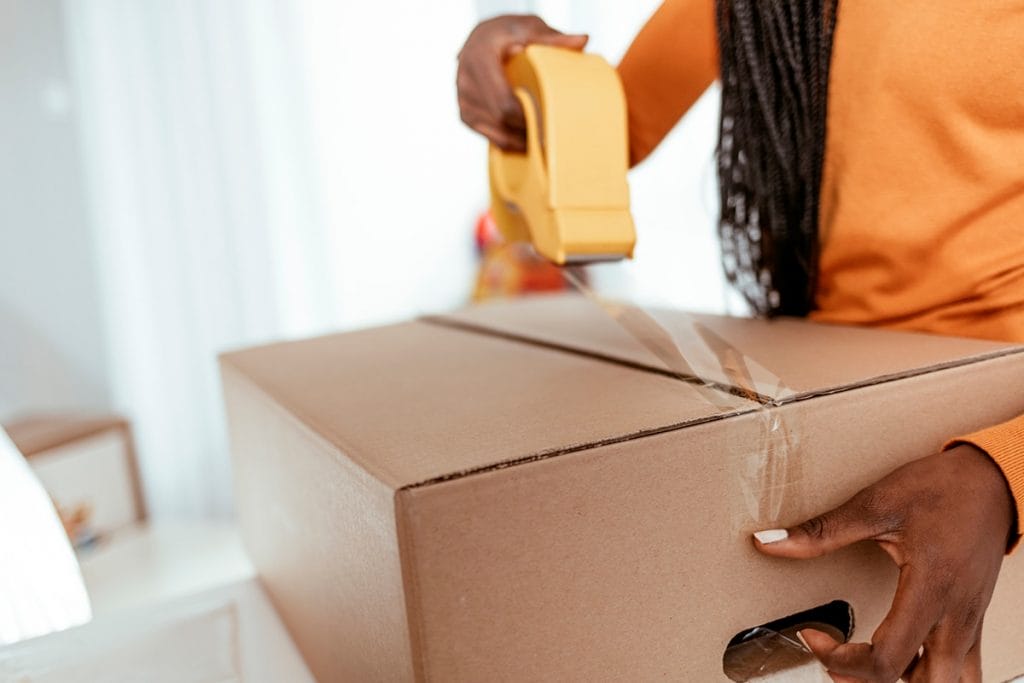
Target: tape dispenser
{"type": "Point", "coordinates": [567, 194]}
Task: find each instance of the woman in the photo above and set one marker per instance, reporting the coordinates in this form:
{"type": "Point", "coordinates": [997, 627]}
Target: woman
{"type": "Point", "coordinates": [870, 173]}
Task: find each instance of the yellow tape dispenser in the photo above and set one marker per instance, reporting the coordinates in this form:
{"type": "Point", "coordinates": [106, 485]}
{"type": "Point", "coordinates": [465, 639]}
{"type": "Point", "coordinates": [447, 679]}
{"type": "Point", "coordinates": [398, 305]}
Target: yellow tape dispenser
{"type": "Point", "coordinates": [568, 193]}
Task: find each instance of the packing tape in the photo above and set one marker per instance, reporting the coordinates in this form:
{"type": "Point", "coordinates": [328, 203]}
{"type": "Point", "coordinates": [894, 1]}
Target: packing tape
{"type": "Point", "coordinates": [767, 655]}
{"type": "Point", "coordinates": [766, 469]}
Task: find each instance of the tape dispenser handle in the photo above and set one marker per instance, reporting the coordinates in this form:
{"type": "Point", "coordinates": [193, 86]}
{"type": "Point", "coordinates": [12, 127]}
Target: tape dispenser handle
{"type": "Point", "coordinates": [509, 170]}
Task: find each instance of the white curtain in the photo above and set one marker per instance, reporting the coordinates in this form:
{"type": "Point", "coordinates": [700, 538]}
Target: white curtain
{"type": "Point", "coordinates": [261, 169]}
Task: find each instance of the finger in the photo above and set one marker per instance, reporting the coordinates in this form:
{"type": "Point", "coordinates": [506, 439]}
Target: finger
{"type": "Point", "coordinates": [488, 99]}
{"type": "Point", "coordinates": [572, 41]}
{"type": "Point", "coordinates": [483, 83]}
{"type": "Point", "coordinates": [971, 672]}
{"type": "Point", "coordinates": [500, 100]}
{"type": "Point", "coordinates": [512, 116]}
{"type": "Point", "coordinates": [908, 673]}
{"type": "Point", "coordinates": [945, 652]}
{"type": "Point", "coordinates": [894, 644]}
{"type": "Point", "coordinates": [482, 122]}
{"type": "Point", "coordinates": [850, 522]}
{"type": "Point", "coordinates": [823, 647]}
{"type": "Point", "coordinates": [501, 137]}
{"type": "Point", "coordinates": [839, 678]}
{"type": "Point", "coordinates": [916, 608]}
{"type": "Point", "coordinates": [838, 658]}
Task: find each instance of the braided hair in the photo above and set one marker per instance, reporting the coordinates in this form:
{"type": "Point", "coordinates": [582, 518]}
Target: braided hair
{"type": "Point", "coordinates": [775, 57]}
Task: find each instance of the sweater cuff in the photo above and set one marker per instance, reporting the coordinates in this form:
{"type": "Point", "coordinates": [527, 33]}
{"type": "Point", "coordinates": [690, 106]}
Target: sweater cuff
{"type": "Point", "coordinates": [1004, 443]}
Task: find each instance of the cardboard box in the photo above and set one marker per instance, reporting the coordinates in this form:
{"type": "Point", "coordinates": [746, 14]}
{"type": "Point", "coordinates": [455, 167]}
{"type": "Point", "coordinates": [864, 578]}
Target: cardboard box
{"type": "Point", "coordinates": [520, 491]}
{"type": "Point", "coordinates": [87, 465]}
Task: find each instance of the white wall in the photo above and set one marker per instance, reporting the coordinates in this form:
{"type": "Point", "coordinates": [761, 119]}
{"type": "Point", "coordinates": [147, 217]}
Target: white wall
{"type": "Point", "coordinates": [258, 169]}
{"type": "Point", "coordinates": [52, 353]}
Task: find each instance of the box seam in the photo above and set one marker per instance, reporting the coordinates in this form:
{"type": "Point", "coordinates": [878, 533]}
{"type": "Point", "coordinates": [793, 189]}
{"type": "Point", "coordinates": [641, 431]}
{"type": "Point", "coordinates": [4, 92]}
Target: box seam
{"type": "Point", "coordinates": [484, 330]}
{"type": "Point", "coordinates": [566, 450]}
{"type": "Point", "coordinates": [655, 431]}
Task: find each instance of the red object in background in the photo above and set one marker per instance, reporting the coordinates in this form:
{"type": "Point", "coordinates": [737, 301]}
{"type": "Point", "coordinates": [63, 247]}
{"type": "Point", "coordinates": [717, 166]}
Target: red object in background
{"type": "Point", "coordinates": [487, 233]}
{"type": "Point", "coordinates": [510, 269]}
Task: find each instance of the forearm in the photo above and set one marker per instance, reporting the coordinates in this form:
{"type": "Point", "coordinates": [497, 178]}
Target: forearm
{"type": "Point", "coordinates": [671, 62]}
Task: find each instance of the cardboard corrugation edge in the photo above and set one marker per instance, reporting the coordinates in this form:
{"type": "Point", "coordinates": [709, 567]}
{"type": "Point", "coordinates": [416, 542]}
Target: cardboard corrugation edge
{"type": "Point", "coordinates": [576, 448]}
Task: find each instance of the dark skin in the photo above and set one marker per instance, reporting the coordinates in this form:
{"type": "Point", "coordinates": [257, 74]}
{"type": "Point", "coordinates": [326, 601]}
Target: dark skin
{"type": "Point", "coordinates": [486, 102]}
{"type": "Point", "coordinates": [945, 519]}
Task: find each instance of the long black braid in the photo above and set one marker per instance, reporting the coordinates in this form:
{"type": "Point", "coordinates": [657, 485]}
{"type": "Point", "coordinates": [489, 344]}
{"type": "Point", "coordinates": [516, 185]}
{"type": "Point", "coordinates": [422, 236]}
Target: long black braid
{"type": "Point", "coordinates": [775, 57]}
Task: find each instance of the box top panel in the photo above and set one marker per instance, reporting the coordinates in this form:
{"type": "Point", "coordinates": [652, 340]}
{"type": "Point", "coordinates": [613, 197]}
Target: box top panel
{"type": "Point", "coordinates": [419, 402]}
{"type": "Point", "coordinates": [783, 359]}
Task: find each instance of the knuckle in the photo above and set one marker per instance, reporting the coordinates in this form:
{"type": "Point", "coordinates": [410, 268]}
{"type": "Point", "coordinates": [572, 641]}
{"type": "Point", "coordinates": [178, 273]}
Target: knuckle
{"type": "Point", "coordinates": [816, 528]}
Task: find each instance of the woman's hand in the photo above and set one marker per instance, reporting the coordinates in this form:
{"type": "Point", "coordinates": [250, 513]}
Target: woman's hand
{"type": "Point", "coordinates": [486, 101]}
{"type": "Point", "coordinates": [945, 521]}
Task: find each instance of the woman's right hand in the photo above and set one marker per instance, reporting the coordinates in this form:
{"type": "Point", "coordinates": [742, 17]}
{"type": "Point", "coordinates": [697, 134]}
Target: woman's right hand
{"type": "Point", "coordinates": [486, 101]}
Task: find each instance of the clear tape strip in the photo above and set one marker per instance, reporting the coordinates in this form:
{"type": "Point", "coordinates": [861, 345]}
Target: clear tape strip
{"type": "Point", "coordinates": [766, 470]}
{"type": "Point", "coordinates": [766, 654]}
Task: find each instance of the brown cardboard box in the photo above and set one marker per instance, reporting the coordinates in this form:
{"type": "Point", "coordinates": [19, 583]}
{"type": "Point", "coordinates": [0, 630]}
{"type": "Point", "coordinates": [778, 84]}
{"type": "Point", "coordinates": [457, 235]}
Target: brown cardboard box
{"type": "Point", "coordinates": [518, 492]}
{"type": "Point", "coordinates": [87, 465]}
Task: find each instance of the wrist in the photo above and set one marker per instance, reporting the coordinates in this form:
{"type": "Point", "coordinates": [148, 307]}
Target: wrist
{"type": "Point", "coordinates": [992, 484]}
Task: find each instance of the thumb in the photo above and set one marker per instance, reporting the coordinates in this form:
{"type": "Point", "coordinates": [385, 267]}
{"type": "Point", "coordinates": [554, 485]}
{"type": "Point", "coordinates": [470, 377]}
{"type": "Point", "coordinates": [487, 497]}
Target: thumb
{"type": "Point", "coordinates": [573, 41]}
{"type": "Point", "coordinates": [838, 528]}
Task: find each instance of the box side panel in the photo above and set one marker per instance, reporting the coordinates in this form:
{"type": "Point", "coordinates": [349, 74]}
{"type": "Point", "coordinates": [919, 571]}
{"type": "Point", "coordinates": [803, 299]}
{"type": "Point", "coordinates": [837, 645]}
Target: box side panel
{"type": "Point", "coordinates": [634, 562]}
{"type": "Point", "coordinates": [321, 532]}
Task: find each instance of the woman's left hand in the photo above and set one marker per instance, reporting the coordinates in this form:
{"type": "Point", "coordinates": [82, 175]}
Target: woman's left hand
{"type": "Point", "coordinates": [945, 521]}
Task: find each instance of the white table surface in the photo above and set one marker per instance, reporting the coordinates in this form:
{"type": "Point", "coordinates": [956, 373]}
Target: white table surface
{"type": "Point", "coordinates": [150, 576]}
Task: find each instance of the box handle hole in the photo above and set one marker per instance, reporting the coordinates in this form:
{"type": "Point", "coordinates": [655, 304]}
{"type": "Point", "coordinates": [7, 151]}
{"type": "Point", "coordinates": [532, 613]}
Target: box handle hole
{"type": "Point", "coordinates": [773, 646]}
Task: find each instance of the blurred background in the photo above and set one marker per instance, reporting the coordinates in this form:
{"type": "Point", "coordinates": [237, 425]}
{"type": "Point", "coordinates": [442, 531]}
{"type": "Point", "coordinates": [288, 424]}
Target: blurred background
{"type": "Point", "coordinates": [182, 178]}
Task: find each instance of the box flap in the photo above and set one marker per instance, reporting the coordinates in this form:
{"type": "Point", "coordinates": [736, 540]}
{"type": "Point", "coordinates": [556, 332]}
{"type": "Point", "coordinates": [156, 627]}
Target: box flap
{"type": "Point", "coordinates": [784, 359]}
{"type": "Point", "coordinates": [418, 402]}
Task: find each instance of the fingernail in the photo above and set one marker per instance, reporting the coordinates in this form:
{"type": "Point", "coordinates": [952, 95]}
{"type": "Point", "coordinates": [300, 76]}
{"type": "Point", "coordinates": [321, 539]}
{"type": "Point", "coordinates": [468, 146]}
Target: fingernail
{"type": "Point", "coordinates": [803, 641]}
{"type": "Point", "coordinates": [771, 536]}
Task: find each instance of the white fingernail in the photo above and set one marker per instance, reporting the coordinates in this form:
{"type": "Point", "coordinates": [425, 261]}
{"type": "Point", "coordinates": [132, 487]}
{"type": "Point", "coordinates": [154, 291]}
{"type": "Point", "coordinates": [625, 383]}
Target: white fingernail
{"type": "Point", "coordinates": [771, 536]}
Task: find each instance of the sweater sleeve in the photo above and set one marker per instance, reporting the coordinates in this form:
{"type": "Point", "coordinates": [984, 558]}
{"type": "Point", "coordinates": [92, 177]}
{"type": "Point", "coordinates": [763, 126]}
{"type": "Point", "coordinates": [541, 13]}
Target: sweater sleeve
{"type": "Point", "coordinates": [1004, 443]}
{"type": "Point", "coordinates": [670, 64]}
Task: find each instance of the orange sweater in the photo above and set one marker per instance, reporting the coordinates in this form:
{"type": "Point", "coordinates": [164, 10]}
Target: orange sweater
{"type": "Point", "coordinates": [922, 212]}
